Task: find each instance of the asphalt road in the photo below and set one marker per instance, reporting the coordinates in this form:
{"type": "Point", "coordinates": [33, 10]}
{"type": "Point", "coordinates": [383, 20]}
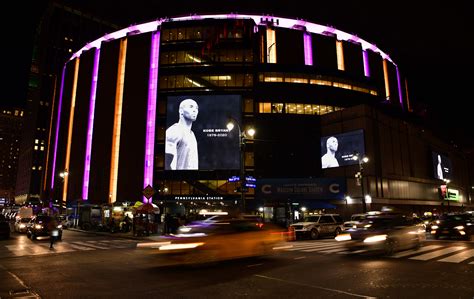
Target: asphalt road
{"type": "Point", "coordinates": [98, 266]}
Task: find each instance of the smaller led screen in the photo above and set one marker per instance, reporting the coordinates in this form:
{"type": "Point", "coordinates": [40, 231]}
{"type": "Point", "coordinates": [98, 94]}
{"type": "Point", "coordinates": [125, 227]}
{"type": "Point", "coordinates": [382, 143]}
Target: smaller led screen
{"type": "Point", "coordinates": [197, 137]}
{"type": "Point", "coordinates": [339, 149]}
{"type": "Point", "coordinates": [441, 166]}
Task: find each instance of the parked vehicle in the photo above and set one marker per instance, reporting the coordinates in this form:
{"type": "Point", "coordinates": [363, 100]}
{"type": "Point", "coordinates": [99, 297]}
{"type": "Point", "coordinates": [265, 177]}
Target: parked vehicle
{"type": "Point", "coordinates": [314, 226]}
{"type": "Point", "coordinates": [355, 219]}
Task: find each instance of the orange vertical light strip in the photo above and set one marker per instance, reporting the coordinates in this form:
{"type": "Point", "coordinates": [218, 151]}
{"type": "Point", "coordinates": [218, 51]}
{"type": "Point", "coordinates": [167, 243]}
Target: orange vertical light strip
{"type": "Point", "coordinates": [340, 55]}
{"type": "Point", "coordinates": [71, 123]}
{"type": "Point", "coordinates": [271, 46]}
{"type": "Point", "coordinates": [385, 77]}
{"type": "Point", "coordinates": [262, 49]}
{"type": "Point", "coordinates": [117, 122]}
{"type": "Point", "coordinates": [45, 176]}
{"type": "Point", "coordinates": [408, 98]}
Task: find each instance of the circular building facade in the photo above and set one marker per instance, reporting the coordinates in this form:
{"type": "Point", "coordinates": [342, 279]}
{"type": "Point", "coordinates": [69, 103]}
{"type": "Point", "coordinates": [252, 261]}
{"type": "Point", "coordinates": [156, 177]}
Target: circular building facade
{"type": "Point", "coordinates": [150, 104]}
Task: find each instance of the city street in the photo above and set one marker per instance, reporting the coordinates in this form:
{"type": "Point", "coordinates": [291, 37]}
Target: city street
{"type": "Point", "coordinates": [105, 266]}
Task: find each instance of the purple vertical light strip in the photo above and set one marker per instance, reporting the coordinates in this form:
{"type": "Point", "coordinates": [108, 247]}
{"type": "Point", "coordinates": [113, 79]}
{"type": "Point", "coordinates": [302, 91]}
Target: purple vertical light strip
{"type": "Point", "coordinates": [151, 112]}
{"type": "Point", "coordinates": [90, 126]}
{"type": "Point", "coordinates": [365, 58]}
{"type": "Point", "coordinates": [308, 49]}
{"type": "Point", "coordinates": [399, 87]}
{"type": "Point", "coordinates": [58, 120]}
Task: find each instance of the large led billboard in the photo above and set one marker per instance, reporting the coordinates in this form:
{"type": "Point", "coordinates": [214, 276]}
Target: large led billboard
{"type": "Point", "coordinates": [339, 149]}
{"type": "Point", "coordinates": [196, 135]}
{"type": "Point", "coordinates": [441, 166]}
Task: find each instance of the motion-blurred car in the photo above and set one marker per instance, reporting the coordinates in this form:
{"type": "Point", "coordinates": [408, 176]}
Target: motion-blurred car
{"type": "Point", "coordinates": [314, 226]}
{"type": "Point", "coordinates": [21, 225]}
{"type": "Point", "coordinates": [39, 227]}
{"type": "Point", "coordinates": [215, 241]}
{"type": "Point", "coordinates": [383, 234]}
{"type": "Point", "coordinates": [4, 228]}
{"type": "Point", "coordinates": [454, 225]}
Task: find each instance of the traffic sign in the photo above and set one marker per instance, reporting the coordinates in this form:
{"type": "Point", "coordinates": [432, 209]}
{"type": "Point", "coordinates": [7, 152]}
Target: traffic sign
{"type": "Point", "coordinates": [148, 192]}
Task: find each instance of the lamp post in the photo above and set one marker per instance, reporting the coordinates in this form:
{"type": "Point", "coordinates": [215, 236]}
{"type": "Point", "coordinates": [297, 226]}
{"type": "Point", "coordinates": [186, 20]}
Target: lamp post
{"type": "Point", "coordinates": [360, 176]}
{"type": "Point", "coordinates": [242, 141]}
{"type": "Point", "coordinates": [446, 197]}
{"type": "Point", "coordinates": [63, 174]}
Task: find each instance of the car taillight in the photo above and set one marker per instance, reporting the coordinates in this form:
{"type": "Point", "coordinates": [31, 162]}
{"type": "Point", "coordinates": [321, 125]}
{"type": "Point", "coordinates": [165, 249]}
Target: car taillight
{"type": "Point", "coordinates": [260, 225]}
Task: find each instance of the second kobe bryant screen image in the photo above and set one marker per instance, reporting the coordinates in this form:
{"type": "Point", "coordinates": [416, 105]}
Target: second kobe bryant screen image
{"type": "Point", "coordinates": [196, 135]}
{"type": "Point", "coordinates": [339, 149]}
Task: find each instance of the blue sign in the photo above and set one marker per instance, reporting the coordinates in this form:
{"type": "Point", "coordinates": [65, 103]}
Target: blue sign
{"type": "Point", "coordinates": [318, 188]}
{"type": "Point", "coordinates": [250, 179]}
{"type": "Point", "coordinates": [250, 185]}
{"type": "Point", "coordinates": [234, 179]}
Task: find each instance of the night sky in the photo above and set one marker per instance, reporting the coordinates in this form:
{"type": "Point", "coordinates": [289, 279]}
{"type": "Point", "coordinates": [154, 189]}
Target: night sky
{"type": "Point", "coordinates": [428, 41]}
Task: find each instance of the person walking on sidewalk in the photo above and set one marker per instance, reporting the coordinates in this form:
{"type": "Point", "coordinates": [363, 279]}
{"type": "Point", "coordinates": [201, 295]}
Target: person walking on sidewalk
{"type": "Point", "coordinates": [53, 231]}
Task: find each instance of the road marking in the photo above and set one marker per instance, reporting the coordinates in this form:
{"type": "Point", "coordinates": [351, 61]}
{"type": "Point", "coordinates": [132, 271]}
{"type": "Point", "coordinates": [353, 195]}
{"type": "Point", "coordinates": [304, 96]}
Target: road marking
{"type": "Point", "coordinates": [437, 253]}
{"type": "Point", "coordinates": [254, 265]}
{"type": "Point", "coordinates": [89, 244]}
{"type": "Point", "coordinates": [457, 258]}
{"type": "Point", "coordinates": [414, 251]}
{"type": "Point", "coordinates": [300, 257]}
{"type": "Point", "coordinates": [313, 246]}
{"type": "Point", "coordinates": [57, 248]}
{"type": "Point", "coordinates": [334, 250]}
{"type": "Point", "coordinates": [327, 247]}
{"type": "Point", "coordinates": [79, 246]}
{"type": "Point", "coordinates": [313, 286]}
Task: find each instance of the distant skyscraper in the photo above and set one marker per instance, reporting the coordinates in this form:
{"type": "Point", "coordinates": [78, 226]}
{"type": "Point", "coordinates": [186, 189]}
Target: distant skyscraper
{"type": "Point", "coordinates": [60, 32]}
{"type": "Point", "coordinates": [11, 121]}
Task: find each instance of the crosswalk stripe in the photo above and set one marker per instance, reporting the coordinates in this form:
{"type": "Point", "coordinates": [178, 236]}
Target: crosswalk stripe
{"type": "Point", "coordinates": [89, 243]}
{"type": "Point", "coordinates": [111, 245]}
{"type": "Point", "coordinates": [315, 245]}
{"type": "Point", "coordinates": [58, 247]}
{"type": "Point", "coordinates": [457, 258]}
{"type": "Point", "coordinates": [80, 247]}
{"type": "Point", "coordinates": [335, 250]}
{"type": "Point", "coordinates": [414, 251]}
{"type": "Point", "coordinates": [437, 253]}
{"type": "Point", "coordinates": [322, 248]}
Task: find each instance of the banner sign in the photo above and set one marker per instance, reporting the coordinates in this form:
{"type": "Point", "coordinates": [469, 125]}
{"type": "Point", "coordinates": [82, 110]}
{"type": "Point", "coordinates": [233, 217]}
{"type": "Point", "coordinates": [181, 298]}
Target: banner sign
{"type": "Point", "coordinates": [319, 188]}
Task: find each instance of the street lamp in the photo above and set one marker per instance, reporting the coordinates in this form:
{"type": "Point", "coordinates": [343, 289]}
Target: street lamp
{"type": "Point", "coordinates": [63, 175]}
{"type": "Point", "coordinates": [446, 197]}
{"type": "Point", "coordinates": [360, 176]}
{"type": "Point", "coordinates": [242, 141]}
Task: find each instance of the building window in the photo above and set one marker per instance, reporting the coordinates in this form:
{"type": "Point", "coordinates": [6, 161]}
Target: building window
{"type": "Point", "coordinates": [296, 108]}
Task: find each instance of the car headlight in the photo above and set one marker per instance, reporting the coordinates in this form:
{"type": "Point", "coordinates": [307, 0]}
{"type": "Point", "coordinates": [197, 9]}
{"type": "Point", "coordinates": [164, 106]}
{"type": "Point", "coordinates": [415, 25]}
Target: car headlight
{"type": "Point", "coordinates": [343, 237]}
{"type": "Point", "coordinates": [434, 227]}
{"type": "Point", "coordinates": [60, 226]}
{"type": "Point", "coordinates": [38, 226]}
{"type": "Point", "coordinates": [460, 227]}
{"type": "Point", "coordinates": [377, 238]}
{"type": "Point", "coordinates": [184, 229]}
{"type": "Point", "coordinates": [22, 226]}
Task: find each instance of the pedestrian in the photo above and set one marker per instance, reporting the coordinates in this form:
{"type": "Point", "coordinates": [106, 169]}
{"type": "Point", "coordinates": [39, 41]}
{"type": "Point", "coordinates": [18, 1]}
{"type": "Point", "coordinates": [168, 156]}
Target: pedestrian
{"type": "Point", "coordinates": [53, 231]}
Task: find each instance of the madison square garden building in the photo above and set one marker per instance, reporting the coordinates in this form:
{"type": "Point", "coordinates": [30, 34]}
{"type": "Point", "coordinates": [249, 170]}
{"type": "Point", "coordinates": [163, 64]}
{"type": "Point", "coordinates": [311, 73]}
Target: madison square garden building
{"type": "Point", "coordinates": [296, 83]}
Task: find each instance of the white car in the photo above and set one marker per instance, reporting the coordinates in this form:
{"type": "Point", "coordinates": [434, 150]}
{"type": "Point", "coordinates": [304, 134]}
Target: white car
{"type": "Point", "coordinates": [314, 226]}
{"type": "Point", "coordinates": [355, 219]}
{"type": "Point", "coordinates": [21, 225]}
